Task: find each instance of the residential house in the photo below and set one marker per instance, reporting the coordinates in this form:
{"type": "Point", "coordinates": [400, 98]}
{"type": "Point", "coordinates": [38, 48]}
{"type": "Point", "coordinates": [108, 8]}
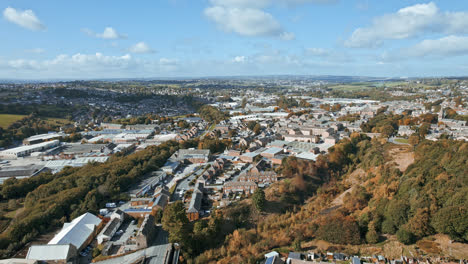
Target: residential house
{"type": "Point", "coordinates": [246, 187]}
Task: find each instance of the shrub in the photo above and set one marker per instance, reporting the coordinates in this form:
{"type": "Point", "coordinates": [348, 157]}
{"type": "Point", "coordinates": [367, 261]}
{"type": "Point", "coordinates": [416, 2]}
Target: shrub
{"type": "Point", "coordinates": [405, 237]}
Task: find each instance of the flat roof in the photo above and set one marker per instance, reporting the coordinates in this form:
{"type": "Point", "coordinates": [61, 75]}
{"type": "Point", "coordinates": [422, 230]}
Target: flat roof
{"type": "Point", "coordinates": [273, 150]}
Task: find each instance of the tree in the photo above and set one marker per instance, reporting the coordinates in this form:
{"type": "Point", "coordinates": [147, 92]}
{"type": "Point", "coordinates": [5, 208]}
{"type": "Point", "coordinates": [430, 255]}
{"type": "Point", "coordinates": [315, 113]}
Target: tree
{"type": "Point", "coordinates": [297, 244]}
{"type": "Point", "coordinates": [175, 221]}
{"type": "Point", "coordinates": [424, 129]}
{"type": "Point", "coordinates": [372, 236]}
{"type": "Point", "coordinates": [258, 199]}
{"type": "Point", "coordinates": [340, 230]}
{"type": "Point", "coordinates": [397, 211]}
{"type": "Point", "coordinates": [419, 223]}
{"type": "Point", "coordinates": [458, 101]}
{"type": "Point", "coordinates": [405, 236]}
{"type": "Point", "coordinates": [413, 140]}
{"type": "Point", "coordinates": [257, 129]}
{"type": "Point", "coordinates": [388, 227]}
{"type": "Point", "coordinates": [244, 102]}
{"type": "Point", "coordinates": [452, 220]}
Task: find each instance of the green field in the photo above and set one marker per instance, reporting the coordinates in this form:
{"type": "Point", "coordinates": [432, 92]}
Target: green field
{"type": "Point", "coordinates": [401, 140]}
{"type": "Point", "coordinates": [353, 86]}
{"type": "Point", "coordinates": [6, 119]}
{"type": "Point", "coordinates": [58, 121]}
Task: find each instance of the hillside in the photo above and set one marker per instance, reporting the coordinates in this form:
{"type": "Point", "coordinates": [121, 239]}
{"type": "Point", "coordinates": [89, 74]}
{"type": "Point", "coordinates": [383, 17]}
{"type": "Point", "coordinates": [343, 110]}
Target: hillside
{"type": "Point", "coordinates": [373, 199]}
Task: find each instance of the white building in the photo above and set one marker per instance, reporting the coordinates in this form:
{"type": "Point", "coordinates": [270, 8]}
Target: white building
{"type": "Point", "coordinates": [79, 232]}
{"type": "Point", "coordinates": [22, 151]}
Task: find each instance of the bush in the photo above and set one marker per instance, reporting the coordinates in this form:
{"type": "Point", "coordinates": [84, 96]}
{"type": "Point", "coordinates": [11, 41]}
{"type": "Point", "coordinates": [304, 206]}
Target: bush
{"type": "Point", "coordinates": [340, 230]}
{"type": "Point", "coordinates": [405, 236]}
{"type": "Point", "coordinates": [388, 227]}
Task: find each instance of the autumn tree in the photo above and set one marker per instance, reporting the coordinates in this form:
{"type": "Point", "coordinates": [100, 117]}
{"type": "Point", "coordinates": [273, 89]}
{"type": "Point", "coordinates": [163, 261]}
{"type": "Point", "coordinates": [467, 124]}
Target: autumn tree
{"type": "Point", "coordinates": [372, 236]}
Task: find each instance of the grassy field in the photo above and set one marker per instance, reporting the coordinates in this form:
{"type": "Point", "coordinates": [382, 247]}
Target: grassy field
{"type": "Point", "coordinates": [58, 121]}
{"type": "Point", "coordinates": [353, 86]}
{"type": "Point", "coordinates": [6, 119]}
{"type": "Point", "coordinates": [402, 140]}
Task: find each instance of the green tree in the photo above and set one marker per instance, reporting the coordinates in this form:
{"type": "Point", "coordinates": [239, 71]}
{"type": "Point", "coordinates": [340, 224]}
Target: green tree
{"type": "Point", "coordinates": [372, 236]}
{"type": "Point", "coordinates": [452, 220]}
{"type": "Point", "coordinates": [388, 227]}
{"type": "Point", "coordinates": [258, 199]}
{"type": "Point", "coordinates": [405, 236]}
{"type": "Point", "coordinates": [175, 221]}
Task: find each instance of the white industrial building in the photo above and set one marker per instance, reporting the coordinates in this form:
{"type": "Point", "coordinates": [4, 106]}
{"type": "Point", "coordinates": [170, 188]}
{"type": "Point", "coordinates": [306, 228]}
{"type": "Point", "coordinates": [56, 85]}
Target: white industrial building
{"type": "Point", "coordinates": [42, 137]}
{"type": "Point", "coordinates": [79, 232]}
{"type": "Point", "coordinates": [22, 151]}
{"type": "Point", "coordinates": [53, 253]}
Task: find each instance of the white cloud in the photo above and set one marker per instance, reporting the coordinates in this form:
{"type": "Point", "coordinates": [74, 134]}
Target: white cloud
{"type": "Point", "coordinates": [443, 47]}
{"type": "Point", "coordinates": [109, 33]}
{"type": "Point", "coordinates": [265, 3]}
{"type": "Point", "coordinates": [141, 47]}
{"type": "Point", "coordinates": [244, 21]}
{"type": "Point", "coordinates": [241, 3]}
{"type": "Point", "coordinates": [248, 17]}
{"type": "Point", "coordinates": [240, 59]}
{"type": "Point", "coordinates": [301, 2]}
{"type": "Point", "coordinates": [317, 52]}
{"type": "Point", "coordinates": [95, 65]}
{"type": "Point", "coordinates": [36, 50]}
{"type": "Point", "coordinates": [287, 36]}
{"type": "Point", "coordinates": [411, 21]}
{"type": "Point", "coordinates": [24, 18]}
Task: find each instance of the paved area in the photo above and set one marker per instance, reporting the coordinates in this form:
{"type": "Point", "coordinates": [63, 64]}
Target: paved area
{"type": "Point", "coordinates": [183, 185]}
{"type": "Point", "coordinates": [128, 229]}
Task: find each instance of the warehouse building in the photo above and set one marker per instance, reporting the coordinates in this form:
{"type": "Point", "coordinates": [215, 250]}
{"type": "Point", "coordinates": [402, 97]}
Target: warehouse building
{"type": "Point", "coordinates": [23, 151]}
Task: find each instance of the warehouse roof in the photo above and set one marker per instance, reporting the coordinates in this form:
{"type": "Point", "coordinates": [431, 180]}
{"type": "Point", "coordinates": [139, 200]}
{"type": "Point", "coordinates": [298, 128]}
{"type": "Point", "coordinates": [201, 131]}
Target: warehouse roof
{"type": "Point", "coordinates": [77, 231]}
{"type": "Point", "coordinates": [50, 252]}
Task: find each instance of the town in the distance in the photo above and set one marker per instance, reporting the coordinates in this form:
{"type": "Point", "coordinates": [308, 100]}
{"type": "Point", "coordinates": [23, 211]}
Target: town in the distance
{"type": "Point", "coordinates": [267, 169]}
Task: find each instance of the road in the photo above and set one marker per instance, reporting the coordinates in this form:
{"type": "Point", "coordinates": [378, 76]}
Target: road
{"type": "Point", "coordinates": [193, 171]}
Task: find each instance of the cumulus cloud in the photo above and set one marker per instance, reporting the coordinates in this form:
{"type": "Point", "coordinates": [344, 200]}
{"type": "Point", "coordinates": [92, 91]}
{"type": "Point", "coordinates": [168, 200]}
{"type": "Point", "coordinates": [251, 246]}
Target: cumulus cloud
{"type": "Point", "coordinates": [109, 33]}
{"type": "Point", "coordinates": [436, 48]}
{"type": "Point", "coordinates": [411, 21]}
{"type": "Point", "coordinates": [239, 59]}
{"type": "Point", "coordinates": [244, 21]}
{"type": "Point", "coordinates": [23, 18]}
{"type": "Point", "coordinates": [141, 47]}
{"type": "Point", "coordinates": [81, 65]}
{"type": "Point", "coordinates": [246, 18]}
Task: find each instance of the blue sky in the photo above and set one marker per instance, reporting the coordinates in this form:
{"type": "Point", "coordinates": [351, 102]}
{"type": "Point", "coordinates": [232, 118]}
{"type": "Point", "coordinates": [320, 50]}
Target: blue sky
{"type": "Point", "coordinates": [191, 38]}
